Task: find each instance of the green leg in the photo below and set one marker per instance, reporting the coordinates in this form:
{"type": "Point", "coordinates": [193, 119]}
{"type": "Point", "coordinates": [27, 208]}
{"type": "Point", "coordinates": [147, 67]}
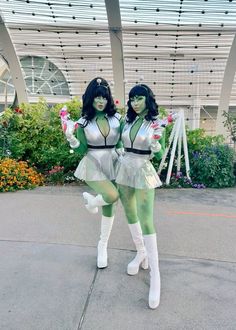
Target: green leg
{"type": "Point", "coordinates": [128, 200]}
{"type": "Point", "coordinates": [138, 206]}
{"type": "Point", "coordinates": [109, 193]}
{"type": "Point", "coordinates": [145, 205]}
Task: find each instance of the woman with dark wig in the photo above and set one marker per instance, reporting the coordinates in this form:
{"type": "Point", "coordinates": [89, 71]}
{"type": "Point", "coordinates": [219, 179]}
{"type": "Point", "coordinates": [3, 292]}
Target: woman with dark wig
{"type": "Point", "coordinates": [143, 138]}
{"type": "Point", "coordinates": [97, 136]}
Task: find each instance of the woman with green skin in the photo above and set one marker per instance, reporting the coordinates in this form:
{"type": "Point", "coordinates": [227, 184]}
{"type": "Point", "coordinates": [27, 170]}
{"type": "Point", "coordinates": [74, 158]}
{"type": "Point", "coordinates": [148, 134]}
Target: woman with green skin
{"type": "Point", "coordinates": [143, 138]}
{"type": "Point", "coordinates": [98, 136]}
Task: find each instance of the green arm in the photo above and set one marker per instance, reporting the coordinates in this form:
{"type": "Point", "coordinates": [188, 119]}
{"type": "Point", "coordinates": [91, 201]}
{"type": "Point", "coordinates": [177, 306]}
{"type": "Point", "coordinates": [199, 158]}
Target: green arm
{"type": "Point", "coordinates": [158, 155]}
{"type": "Point", "coordinates": [122, 124]}
{"type": "Point", "coordinates": [83, 147]}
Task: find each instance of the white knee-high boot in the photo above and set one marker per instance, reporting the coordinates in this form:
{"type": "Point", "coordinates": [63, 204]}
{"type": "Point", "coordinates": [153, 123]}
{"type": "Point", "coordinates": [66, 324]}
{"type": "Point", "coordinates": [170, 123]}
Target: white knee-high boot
{"type": "Point", "coordinates": [106, 226]}
{"type": "Point", "coordinates": [93, 202]}
{"type": "Point", "coordinates": [141, 256]}
{"type": "Point", "coordinates": [155, 282]}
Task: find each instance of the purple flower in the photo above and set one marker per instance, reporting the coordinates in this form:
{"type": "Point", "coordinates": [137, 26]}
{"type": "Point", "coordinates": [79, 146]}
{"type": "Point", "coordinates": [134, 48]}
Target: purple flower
{"type": "Point", "coordinates": [195, 155]}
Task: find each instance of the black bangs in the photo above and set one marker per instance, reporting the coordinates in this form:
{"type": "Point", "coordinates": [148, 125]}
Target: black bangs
{"type": "Point", "coordinates": [138, 90]}
{"type": "Point", "coordinates": [102, 91]}
{"type": "Point", "coordinates": [151, 105]}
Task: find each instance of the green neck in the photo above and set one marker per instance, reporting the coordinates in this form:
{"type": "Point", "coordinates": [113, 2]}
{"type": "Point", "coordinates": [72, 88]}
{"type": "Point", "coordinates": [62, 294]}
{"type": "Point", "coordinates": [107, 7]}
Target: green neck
{"type": "Point", "coordinates": [99, 113]}
{"type": "Point", "coordinates": [143, 114]}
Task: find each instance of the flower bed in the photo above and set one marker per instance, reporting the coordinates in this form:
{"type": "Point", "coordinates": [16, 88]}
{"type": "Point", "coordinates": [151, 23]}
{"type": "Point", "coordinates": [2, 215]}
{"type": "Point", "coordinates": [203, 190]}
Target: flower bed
{"type": "Point", "coordinates": [17, 175]}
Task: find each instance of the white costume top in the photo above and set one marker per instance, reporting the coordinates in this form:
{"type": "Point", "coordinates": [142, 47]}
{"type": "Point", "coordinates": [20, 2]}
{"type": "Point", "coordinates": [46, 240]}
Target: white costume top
{"type": "Point", "coordinates": [135, 169]}
{"type": "Point", "coordinates": [100, 161]}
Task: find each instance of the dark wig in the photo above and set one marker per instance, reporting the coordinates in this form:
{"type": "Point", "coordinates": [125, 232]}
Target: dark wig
{"type": "Point", "coordinates": [151, 105]}
{"type": "Point", "coordinates": [97, 87]}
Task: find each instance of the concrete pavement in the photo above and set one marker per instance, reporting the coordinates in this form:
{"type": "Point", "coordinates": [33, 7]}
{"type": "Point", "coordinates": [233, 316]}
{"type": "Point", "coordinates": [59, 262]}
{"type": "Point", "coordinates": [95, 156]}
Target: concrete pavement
{"type": "Point", "coordinates": [49, 279]}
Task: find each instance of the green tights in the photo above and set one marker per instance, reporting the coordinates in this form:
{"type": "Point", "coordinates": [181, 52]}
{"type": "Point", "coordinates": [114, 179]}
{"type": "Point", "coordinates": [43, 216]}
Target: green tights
{"type": "Point", "coordinates": [109, 193]}
{"type": "Point", "coordinates": [138, 206]}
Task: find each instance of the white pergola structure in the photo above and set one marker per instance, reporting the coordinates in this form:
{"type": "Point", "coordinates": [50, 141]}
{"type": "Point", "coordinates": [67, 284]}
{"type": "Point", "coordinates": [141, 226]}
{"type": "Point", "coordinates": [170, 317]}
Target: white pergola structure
{"type": "Point", "coordinates": [185, 50]}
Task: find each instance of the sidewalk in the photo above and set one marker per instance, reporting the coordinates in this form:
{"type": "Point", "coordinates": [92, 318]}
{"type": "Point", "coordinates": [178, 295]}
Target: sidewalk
{"type": "Point", "coordinates": [49, 279]}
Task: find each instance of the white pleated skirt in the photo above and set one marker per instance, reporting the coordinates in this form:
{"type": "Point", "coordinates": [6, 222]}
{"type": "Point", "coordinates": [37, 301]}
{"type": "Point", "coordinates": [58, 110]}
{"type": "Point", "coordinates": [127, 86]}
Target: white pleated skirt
{"type": "Point", "coordinates": [137, 171]}
{"type": "Point", "coordinates": [98, 165]}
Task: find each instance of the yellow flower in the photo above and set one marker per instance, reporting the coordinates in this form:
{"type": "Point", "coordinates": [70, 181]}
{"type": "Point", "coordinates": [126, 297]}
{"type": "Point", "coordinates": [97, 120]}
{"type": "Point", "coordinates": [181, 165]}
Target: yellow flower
{"type": "Point", "coordinates": [18, 175]}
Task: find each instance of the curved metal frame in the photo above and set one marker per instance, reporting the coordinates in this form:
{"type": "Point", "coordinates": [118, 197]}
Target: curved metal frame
{"type": "Point", "coordinates": [9, 53]}
{"type": "Point", "coordinates": [226, 89]}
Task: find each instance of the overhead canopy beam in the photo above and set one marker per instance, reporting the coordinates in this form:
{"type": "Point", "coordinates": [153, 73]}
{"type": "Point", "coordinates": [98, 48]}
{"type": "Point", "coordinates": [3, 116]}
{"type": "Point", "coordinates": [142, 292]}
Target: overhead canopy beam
{"type": "Point", "coordinates": [226, 89]}
{"type": "Point", "coordinates": [8, 51]}
{"type": "Point", "coordinates": [115, 29]}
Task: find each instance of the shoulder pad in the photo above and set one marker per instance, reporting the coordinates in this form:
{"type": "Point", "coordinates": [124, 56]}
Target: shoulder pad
{"type": "Point", "coordinates": [82, 121]}
{"type": "Point", "coordinates": [117, 115]}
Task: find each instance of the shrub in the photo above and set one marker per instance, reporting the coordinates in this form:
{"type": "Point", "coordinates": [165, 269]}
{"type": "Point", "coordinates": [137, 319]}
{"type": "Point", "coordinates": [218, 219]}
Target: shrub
{"type": "Point", "coordinates": [211, 162]}
{"type": "Point", "coordinates": [213, 166]}
{"type": "Point", "coordinates": [230, 124]}
{"type": "Point", "coordinates": [16, 175]}
{"type": "Point", "coordinates": [33, 133]}
{"type": "Point", "coordinates": [198, 140]}
{"type": "Point", "coordinates": [57, 176]}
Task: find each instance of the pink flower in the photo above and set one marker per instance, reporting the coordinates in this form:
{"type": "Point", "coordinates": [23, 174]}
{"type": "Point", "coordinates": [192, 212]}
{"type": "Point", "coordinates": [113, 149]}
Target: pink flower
{"type": "Point", "coordinates": [170, 119]}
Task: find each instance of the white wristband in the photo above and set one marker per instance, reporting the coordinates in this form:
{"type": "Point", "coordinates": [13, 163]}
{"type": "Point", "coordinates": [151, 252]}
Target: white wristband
{"type": "Point", "coordinates": [74, 143]}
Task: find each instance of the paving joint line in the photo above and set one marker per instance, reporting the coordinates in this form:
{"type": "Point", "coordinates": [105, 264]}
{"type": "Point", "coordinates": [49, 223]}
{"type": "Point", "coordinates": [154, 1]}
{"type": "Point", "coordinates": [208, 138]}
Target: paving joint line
{"type": "Point", "coordinates": [167, 255]}
{"type": "Point", "coordinates": [87, 301]}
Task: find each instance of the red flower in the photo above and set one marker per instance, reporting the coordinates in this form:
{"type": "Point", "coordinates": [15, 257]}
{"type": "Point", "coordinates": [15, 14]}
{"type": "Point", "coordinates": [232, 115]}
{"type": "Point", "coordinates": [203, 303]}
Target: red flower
{"type": "Point", "coordinates": [117, 102]}
{"type": "Point", "coordinates": [18, 110]}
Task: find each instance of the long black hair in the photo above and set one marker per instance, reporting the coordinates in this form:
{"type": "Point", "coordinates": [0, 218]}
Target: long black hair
{"type": "Point", "coordinates": [97, 87]}
{"type": "Point", "coordinates": [151, 105]}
